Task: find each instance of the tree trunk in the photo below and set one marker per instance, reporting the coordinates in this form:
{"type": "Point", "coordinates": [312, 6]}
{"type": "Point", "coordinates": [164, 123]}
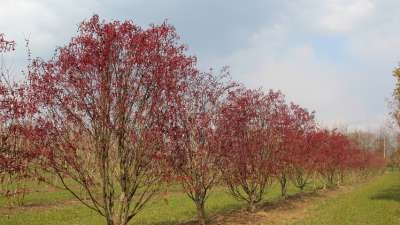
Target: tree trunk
{"type": "Point", "coordinates": [251, 207]}
{"type": "Point", "coordinates": [110, 221]}
{"type": "Point", "coordinates": [283, 182]}
{"type": "Point", "coordinates": [117, 221]}
{"type": "Point", "coordinates": [314, 181]}
{"type": "Point", "coordinates": [331, 180]}
{"type": "Point", "coordinates": [119, 218]}
{"type": "Point", "coordinates": [341, 178]}
{"type": "Point", "coordinates": [201, 214]}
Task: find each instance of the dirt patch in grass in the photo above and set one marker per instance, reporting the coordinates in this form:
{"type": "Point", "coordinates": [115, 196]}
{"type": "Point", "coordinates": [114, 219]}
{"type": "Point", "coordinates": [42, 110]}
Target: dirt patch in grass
{"type": "Point", "coordinates": [280, 212]}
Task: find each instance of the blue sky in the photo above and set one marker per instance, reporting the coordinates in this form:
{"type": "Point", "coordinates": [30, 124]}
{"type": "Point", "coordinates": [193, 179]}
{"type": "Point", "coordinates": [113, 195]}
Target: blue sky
{"type": "Point", "coordinates": [332, 56]}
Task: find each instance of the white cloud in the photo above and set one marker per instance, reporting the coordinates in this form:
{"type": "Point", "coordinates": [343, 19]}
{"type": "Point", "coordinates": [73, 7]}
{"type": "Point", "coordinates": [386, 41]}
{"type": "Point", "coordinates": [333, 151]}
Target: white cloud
{"type": "Point", "coordinates": [329, 16]}
{"type": "Point", "coordinates": [298, 72]}
{"type": "Point", "coordinates": [344, 15]}
{"type": "Point", "coordinates": [46, 23]}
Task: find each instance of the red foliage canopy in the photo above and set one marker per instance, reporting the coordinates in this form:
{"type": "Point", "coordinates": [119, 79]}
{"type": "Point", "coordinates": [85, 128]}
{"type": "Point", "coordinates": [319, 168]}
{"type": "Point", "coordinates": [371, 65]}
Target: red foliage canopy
{"type": "Point", "coordinates": [247, 133]}
{"type": "Point", "coordinates": [105, 104]}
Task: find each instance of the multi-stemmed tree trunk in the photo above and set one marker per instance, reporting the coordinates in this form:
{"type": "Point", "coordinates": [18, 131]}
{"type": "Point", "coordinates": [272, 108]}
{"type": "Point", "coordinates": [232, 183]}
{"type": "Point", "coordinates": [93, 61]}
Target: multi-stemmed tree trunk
{"type": "Point", "coordinates": [200, 208]}
{"type": "Point", "coordinates": [283, 181]}
{"type": "Point", "coordinates": [300, 178]}
{"type": "Point", "coordinates": [104, 106]}
{"type": "Point", "coordinates": [250, 191]}
{"type": "Point", "coordinates": [329, 177]}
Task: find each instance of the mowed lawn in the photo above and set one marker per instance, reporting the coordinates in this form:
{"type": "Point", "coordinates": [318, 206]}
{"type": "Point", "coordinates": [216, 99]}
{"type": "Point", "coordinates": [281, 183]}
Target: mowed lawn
{"type": "Point", "coordinates": [46, 206]}
{"type": "Point", "coordinates": [376, 202]}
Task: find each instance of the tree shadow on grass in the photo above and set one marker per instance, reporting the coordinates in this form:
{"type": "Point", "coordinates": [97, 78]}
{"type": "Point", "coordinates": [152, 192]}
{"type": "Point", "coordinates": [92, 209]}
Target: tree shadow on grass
{"type": "Point", "coordinates": [223, 210]}
{"type": "Point", "coordinates": [392, 193]}
{"type": "Point", "coordinates": [235, 214]}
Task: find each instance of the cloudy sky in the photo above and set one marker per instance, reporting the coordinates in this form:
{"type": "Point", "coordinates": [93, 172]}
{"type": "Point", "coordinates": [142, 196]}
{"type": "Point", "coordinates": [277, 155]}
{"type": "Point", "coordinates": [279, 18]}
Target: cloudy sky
{"type": "Point", "coordinates": [332, 56]}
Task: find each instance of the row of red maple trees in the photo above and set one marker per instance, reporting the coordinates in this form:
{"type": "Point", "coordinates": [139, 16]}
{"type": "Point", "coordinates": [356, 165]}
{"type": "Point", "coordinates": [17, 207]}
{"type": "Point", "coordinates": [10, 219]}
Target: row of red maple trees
{"type": "Point", "coordinates": [121, 110]}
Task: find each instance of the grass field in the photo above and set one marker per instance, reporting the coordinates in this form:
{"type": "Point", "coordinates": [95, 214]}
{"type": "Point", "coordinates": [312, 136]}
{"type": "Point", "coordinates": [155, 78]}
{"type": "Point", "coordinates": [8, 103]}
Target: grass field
{"type": "Point", "coordinates": [55, 207]}
{"type": "Point", "coordinates": [375, 202]}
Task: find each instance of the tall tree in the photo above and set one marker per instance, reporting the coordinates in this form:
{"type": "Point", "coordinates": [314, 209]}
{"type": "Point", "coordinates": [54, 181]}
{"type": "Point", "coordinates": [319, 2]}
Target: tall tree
{"type": "Point", "coordinates": [246, 129]}
{"type": "Point", "coordinates": [300, 142]}
{"type": "Point", "coordinates": [293, 123]}
{"type": "Point", "coordinates": [104, 105]}
{"type": "Point", "coordinates": [195, 156]}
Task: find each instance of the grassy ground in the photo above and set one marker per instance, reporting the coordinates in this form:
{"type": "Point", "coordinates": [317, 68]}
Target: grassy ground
{"type": "Point", "coordinates": [376, 202]}
{"type": "Point", "coordinates": [49, 206]}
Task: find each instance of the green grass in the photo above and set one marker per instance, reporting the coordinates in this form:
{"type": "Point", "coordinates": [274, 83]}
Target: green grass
{"type": "Point", "coordinates": [376, 202]}
{"type": "Point", "coordinates": [173, 208]}
{"type": "Point", "coordinates": [41, 194]}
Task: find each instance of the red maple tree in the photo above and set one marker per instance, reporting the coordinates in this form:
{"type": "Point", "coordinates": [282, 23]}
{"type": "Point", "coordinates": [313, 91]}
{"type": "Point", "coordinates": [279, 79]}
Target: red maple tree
{"type": "Point", "coordinates": [105, 102]}
{"type": "Point", "coordinates": [196, 145]}
{"type": "Point", "coordinates": [246, 129]}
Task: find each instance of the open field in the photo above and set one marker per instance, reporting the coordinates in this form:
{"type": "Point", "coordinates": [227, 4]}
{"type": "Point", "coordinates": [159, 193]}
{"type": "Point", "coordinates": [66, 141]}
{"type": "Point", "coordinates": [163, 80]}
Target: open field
{"type": "Point", "coordinates": [377, 202]}
{"type": "Point", "coordinates": [58, 207]}
{"type": "Point", "coordinates": [374, 202]}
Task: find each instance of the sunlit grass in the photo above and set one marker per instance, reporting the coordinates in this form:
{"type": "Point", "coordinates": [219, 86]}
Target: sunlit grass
{"type": "Point", "coordinates": [55, 207]}
{"type": "Point", "coordinates": [365, 205]}
{"type": "Point", "coordinates": [376, 202]}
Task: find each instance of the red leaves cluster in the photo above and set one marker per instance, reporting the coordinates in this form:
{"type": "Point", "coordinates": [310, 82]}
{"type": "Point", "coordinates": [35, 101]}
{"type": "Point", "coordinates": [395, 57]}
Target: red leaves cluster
{"type": "Point", "coordinates": [246, 130]}
{"type": "Point", "coordinates": [247, 136]}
